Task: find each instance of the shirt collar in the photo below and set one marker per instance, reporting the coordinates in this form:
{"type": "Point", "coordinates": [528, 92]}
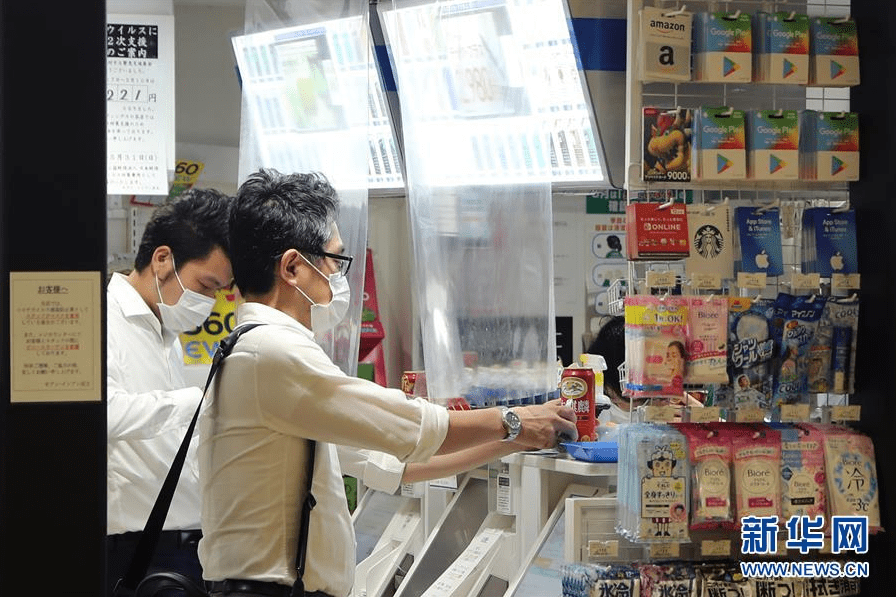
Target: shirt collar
{"type": "Point", "coordinates": [131, 303]}
{"type": "Point", "coordinates": [252, 312]}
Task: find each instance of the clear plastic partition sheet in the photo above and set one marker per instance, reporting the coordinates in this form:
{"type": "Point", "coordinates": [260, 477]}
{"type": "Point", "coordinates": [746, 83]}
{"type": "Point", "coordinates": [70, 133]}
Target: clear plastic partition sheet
{"type": "Point", "coordinates": [306, 69]}
{"type": "Point", "coordinates": [479, 188]}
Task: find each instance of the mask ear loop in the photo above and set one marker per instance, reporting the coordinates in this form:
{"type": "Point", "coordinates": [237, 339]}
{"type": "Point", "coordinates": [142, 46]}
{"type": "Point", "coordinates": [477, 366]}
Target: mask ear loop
{"type": "Point", "coordinates": [159, 288]}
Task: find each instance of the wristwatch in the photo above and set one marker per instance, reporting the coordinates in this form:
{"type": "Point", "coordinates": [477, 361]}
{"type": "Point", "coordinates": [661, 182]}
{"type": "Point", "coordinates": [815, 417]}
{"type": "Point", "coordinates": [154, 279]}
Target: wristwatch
{"type": "Point", "coordinates": [512, 424]}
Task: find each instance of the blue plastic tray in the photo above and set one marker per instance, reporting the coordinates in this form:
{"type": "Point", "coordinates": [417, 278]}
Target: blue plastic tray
{"type": "Point", "coordinates": [593, 451]}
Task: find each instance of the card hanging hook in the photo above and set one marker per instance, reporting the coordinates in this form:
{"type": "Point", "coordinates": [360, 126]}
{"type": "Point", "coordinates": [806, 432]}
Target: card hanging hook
{"type": "Point", "coordinates": [841, 20]}
{"type": "Point", "coordinates": [791, 17]}
{"type": "Point", "coordinates": [735, 16]}
{"type": "Point", "coordinates": [676, 12]}
{"type": "Point", "coordinates": [768, 206]}
{"type": "Point", "coordinates": [729, 110]}
{"type": "Point", "coordinates": [842, 208]}
{"type": "Point", "coordinates": [667, 204]}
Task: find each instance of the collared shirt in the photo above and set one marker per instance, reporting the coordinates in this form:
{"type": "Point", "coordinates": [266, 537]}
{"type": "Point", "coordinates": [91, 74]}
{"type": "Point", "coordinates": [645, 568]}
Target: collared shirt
{"type": "Point", "coordinates": [277, 388]}
{"type": "Point", "coordinates": [148, 411]}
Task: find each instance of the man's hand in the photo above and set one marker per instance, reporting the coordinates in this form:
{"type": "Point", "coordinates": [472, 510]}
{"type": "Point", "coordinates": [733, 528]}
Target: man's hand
{"type": "Point", "coordinates": [543, 425]}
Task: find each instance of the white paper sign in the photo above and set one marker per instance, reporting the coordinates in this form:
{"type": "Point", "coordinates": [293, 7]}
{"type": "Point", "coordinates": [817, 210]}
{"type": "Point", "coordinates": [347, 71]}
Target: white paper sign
{"type": "Point", "coordinates": [139, 103]}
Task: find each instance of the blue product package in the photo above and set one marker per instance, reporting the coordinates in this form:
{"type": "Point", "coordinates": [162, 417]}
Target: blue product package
{"type": "Point", "coordinates": [835, 241]}
{"type": "Point", "coordinates": [759, 236]}
{"type": "Point", "coordinates": [791, 384]}
{"type": "Point", "coordinates": [751, 349]}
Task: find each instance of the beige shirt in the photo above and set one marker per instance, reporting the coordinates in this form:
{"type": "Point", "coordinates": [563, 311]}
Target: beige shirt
{"type": "Point", "coordinates": [277, 388]}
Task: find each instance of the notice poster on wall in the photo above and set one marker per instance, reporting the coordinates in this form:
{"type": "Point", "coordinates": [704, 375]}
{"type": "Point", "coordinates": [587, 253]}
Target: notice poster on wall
{"type": "Point", "coordinates": [55, 336]}
{"type": "Point", "coordinates": [139, 103]}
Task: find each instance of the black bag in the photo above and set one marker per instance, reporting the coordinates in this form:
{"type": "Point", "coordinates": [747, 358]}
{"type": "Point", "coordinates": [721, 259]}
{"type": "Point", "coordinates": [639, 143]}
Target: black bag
{"type": "Point", "coordinates": [136, 582]}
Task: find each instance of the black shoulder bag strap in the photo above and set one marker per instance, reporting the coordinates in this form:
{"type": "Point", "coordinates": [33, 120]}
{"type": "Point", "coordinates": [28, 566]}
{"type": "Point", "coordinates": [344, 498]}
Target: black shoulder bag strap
{"type": "Point", "coordinates": [153, 529]}
{"type": "Point", "coordinates": [298, 588]}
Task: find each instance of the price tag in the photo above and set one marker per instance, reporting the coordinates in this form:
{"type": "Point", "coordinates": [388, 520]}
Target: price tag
{"type": "Point", "coordinates": [706, 281]}
{"type": "Point", "coordinates": [753, 281]}
{"type": "Point", "coordinates": [750, 415]}
{"type": "Point", "coordinates": [413, 490]}
{"type": "Point", "coordinates": [707, 414]}
{"type": "Point", "coordinates": [663, 551]}
{"type": "Point", "coordinates": [845, 281]}
{"type": "Point", "coordinates": [661, 279]}
{"type": "Point", "coordinates": [722, 547]}
{"type": "Point", "coordinates": [805, 281]}
{"type": "Point", "coordinates": [504, 503]}
{"type": "Point", "coordinates": [844, 412]}
{"type": "Point", "coordinates": [603, 549]}
{"type": "Point", "coordinates": [445, 483]}
{"type": "Point", "coordinates": [794, 412]}
{"type": "Point", "coordinates": [659, 414]}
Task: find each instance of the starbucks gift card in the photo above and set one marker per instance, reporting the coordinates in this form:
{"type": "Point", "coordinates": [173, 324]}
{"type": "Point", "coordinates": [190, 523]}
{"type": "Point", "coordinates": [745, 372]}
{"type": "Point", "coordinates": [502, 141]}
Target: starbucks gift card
{"type": "Point", "coordinates": [712, 242]}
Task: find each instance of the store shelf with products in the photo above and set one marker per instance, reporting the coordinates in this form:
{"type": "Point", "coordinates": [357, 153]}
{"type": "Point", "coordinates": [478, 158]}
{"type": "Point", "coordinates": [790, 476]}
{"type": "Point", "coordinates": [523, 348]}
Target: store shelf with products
{"type": "Point", "coordinates": [783, 206]}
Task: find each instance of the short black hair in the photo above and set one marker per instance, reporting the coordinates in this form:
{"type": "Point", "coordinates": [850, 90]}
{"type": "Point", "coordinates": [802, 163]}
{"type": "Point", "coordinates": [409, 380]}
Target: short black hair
{"type": "Point", "coordinates": [610, 344]}
{"type": "Point", "coordinates": [191, 226]}
{"type": "Point", "coordinates": [273, 213]}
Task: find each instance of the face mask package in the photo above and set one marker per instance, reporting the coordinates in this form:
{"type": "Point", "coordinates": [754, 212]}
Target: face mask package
{"type": "Point", "coordinates": [791, 384]}
{"type": "Point", "coordinates": [670, 579]}
{"type": "Point", "coordinates": [707, 348]}
{"type": "Point", "coordinates": [834, 47]}
{"type": "Point", "coordinates": [665, 45]}
{"type": "Point", "coordinates": [757, 460]}
{"type": "Point", "coordinates": [842, 314]}
{"type": "Point", "coordinates": [655, 341]}
{"type": "Point", "coordinates": [759, 239]}
{"type": "Point", "coordinates": [781, 48]}
{"type": "Point", "coordinates": [653, 484]}
{"type": "Point", "coordinates": [723, 47]}
{"type": "Point", "coordinates": [751, 349]}
{"type": "Point", "coordinates": [579, 580]}
{"type": "Point", "coordinates": [710, 462]}
{"type": "Point", "coordinates": [720, 148]}
{"type": "Point", "coordinates": [724, 581]}
{"type": "Point", "coordinates": [803, 484]}
{"type": "Point", "coordinates": [851, 475]}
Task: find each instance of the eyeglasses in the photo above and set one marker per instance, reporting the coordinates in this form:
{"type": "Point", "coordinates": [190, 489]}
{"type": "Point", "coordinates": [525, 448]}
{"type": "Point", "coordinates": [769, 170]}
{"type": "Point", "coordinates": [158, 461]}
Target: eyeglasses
{"type": "Point", "coordinates": [343, 262]}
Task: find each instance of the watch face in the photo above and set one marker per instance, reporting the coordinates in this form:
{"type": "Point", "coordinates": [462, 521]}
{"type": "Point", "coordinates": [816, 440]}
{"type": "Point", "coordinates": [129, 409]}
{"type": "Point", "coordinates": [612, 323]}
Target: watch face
{"type": "Point", "coordinates": [512, 423]}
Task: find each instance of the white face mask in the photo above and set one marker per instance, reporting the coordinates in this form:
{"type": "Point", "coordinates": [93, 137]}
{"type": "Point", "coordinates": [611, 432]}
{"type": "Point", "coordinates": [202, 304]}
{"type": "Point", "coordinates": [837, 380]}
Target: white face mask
{"type": "Point", "coordinates": [326, 317]}
{"type": "Point", "coordinates": [190, 310]}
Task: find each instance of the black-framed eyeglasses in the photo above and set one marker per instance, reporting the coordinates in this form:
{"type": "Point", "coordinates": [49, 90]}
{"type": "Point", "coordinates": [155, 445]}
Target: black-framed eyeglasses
{"type": "Point", "coordinates": [343, 262]}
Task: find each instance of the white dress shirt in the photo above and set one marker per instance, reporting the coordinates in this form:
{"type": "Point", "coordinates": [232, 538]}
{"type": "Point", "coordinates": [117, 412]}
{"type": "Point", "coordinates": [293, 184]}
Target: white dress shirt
{"type": "Point", "coordinates": [148, 411]}
{"type": "Point", "coordinates": [277, 388]}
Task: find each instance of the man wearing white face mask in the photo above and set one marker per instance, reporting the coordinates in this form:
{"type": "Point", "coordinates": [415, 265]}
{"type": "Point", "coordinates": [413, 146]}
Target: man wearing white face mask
{"type": "Point", "coordinates": [181, 263]}
{"type": "Point", "coordinates": [278, 389]}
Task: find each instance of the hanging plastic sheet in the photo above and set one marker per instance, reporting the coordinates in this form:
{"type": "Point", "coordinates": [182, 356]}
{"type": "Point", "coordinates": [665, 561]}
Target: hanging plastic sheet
{"type": "Point", "coordinates": [305, 68]}
{"type": "Point", "coordinates": [479, 188]}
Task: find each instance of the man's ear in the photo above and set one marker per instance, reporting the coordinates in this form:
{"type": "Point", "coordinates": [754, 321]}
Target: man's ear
{"type": "Point", "coordinates": [290, 267]}
{"type": "Point", "coordinates": [162, 262]}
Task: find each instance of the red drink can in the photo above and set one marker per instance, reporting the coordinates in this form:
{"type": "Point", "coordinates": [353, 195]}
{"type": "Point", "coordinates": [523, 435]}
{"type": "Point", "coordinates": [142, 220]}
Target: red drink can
{"type": "Point", "coordinates": [413, 383]}
{"type": "Point", "coordinates": [577, 392]}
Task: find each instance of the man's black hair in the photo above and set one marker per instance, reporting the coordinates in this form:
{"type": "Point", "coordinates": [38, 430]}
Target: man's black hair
{"type": "Point", "coordinates": [273, 213]}
{"type": "Point", "coordinates": [191, 226]}
{"type": "Point", "coordinates": [610, 344]}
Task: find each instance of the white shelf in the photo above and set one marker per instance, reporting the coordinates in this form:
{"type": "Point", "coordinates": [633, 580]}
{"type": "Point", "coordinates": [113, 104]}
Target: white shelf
{"type": "Point", "coordinates": [562, 463]}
